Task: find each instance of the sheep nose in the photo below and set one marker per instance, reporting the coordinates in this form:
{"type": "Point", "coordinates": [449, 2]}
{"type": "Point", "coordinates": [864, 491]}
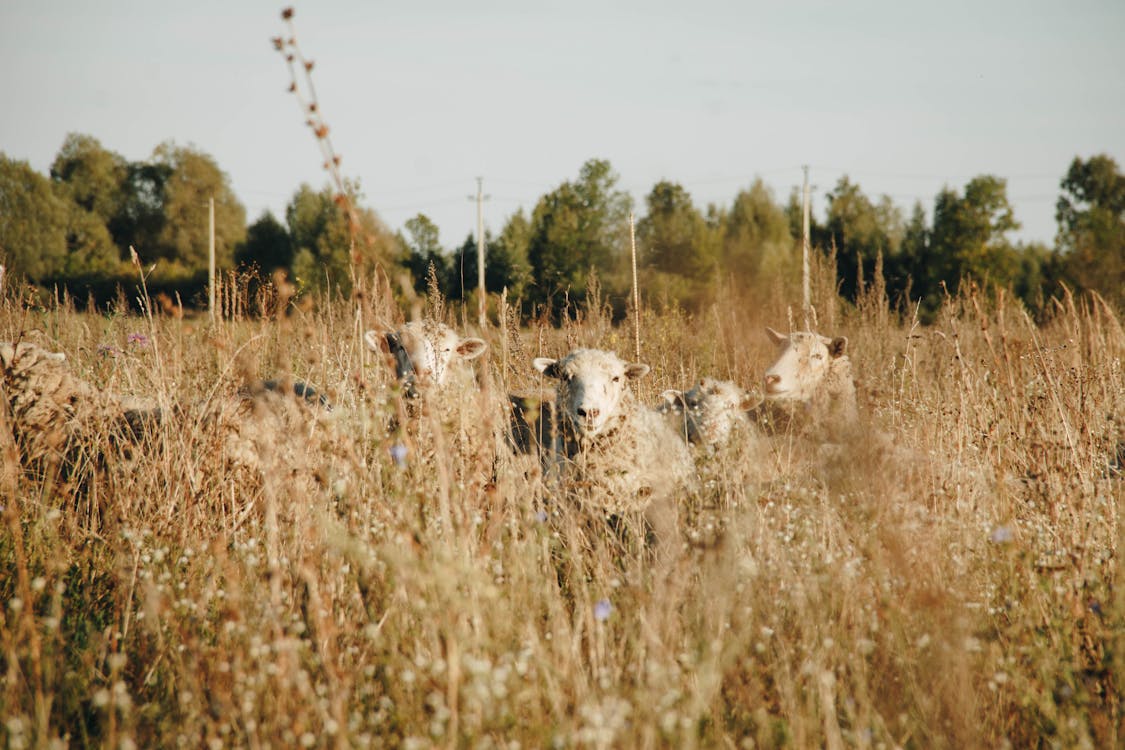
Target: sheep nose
{"type": "Point", "coordinates": [588, 413]}
{"type": "Point", "coordinates": [772, 380]}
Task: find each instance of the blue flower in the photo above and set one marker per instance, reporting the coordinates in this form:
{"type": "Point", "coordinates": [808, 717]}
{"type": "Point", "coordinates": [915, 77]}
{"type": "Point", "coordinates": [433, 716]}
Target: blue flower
{"type": "Point", "coordinates": [398, 454]}
{"type": "Point", "coordinates": [602, 610]}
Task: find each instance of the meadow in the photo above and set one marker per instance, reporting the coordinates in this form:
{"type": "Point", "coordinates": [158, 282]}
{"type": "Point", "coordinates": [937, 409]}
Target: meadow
{"type": "Point", "coordinates": [947, 576]}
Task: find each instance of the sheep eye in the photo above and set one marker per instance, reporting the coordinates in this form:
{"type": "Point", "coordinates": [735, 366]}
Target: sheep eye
{"type": "Point", "coordinates": [616, 378]}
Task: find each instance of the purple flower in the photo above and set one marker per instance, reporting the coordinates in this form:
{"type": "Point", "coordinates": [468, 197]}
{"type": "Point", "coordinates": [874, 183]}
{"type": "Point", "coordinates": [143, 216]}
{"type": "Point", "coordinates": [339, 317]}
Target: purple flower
{"type": "Point", "coordinates": [106, 350]}
{"type": "Point", "coordinates": [398, 454]}
{"type": "Point", "coordinates": [541, 516]}
{"type": "Point", "coordinates": [138, 339]}
{"type": "Point", "coordinates": [1001, 535]}
{"type": "Point", "coordinates": [602, 610]}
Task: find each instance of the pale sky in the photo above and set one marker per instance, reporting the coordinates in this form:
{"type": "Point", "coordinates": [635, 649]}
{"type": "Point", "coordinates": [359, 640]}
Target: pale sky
{"type": "Point", "coordinates": [423, 97]}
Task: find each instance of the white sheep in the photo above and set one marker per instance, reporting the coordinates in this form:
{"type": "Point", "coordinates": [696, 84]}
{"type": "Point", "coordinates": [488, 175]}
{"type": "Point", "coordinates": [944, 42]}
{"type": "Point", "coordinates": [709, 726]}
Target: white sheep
{"type": "Point", "coordinates": [809, 386]}
{"type": "Point", "coordinates": [51, 409]}
{"type": "Point", "coordinates": [617, 454]}
{"type": "Point", "coordinates": [425, 353]}
{"type": "Point", "coordinates": [708, 414]}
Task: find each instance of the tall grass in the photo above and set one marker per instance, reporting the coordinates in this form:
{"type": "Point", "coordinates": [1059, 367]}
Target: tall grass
{"type": "Point", "coordinates": [947, 577]}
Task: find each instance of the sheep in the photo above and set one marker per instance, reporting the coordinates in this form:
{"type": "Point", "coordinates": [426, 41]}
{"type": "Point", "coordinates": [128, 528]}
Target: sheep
{"type": "Point", "coordinates": [52, 410]}
{"type": "Point", "coordinates": [709, 413]}
{"type": "Point", "coordinates": [620, 452]}
{"type": "Point", "coordinates": [425, 352]}
{"type": "Point", "coordinates": [809, 386]}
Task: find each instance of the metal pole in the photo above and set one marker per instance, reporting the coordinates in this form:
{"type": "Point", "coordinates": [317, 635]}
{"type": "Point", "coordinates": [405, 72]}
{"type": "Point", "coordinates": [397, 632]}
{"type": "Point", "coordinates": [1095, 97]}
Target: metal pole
{"type": "Point", "coordinates": [480, 247]}
{"type": "Point", "coordinates": [211, 259]}
{"type": "Point", "coordinates": [805, 301]}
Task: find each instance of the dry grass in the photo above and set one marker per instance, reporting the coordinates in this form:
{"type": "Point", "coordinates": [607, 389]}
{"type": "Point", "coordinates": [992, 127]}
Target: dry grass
{"type": "Point", "coordinates": [944, 578]}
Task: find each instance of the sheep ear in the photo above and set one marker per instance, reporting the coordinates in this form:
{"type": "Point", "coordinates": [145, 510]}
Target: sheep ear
{"type": "Point", "coordinates": [775, 337]}
{"type": "Point", "coordinates": [471, 348]}
{"type": "Point", "coordinates": [547, 366]}
{"type": "Point", "coordinates": [635, 370]}
{"type": "Point", "coordinates": [838, 347]}
{"type": "Point", "coordinates": [380, 341]}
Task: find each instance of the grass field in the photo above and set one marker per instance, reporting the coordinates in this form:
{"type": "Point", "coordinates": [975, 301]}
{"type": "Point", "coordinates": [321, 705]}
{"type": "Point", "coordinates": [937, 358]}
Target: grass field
{"type": "Point", "coordinates": [946, 576]}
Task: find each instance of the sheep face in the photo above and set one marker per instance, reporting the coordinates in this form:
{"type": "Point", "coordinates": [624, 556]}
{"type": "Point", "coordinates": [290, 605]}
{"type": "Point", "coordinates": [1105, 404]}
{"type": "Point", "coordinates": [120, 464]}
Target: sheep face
{"type": "Point", "coordinates": [711, 409]}
{"type": "Point", "coordinates": [424, 352]}
{"type": "Point", "coordinates": [803, 362]}
{"type": "Point", "coordinates": [592, 387]}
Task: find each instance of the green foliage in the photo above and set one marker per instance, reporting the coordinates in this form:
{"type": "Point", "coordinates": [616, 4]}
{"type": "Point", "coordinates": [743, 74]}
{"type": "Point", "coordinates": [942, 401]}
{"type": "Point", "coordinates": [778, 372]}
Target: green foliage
{"type": "Point", "coordinates": [327, 248]}
{"type": "Point", "coordinates": [93, 177]}
{"type": "Point", "coordinates": [861, 231]}
{"type": "Point", "coordinates": [678, 249]}
{"type": "Point", "coordinates": [967, 242]}
{"type": "Point", "coordinates": [192, 178]}
{"type": "Point", "coordinates": [756, 236]}
{"type": "Point", "coordinates": [1091, 217]}
{"type": "Point", "coordinates": [267, 245]}
{"type": "Point", "coordinates": [577, 227]}
{"type": "Point", "coordinates": [33, 221]}
{"type": "Point", "coordinates": [508, 265]}
{"type": "Point", "coordinates": [422, 246]}
{"type": "Point", "coordinates": [89, 247]}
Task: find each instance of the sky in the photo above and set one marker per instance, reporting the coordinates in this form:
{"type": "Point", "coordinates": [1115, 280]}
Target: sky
{"type": "Point", "coordinates": [903, 97]}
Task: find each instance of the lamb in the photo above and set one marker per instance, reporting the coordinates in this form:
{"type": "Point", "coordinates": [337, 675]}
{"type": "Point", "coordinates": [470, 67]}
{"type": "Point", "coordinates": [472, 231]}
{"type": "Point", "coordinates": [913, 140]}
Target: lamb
{"type": "Point", "coordinates": [709, 413]}
{"type": "Point", "coordinates": [620, 453]}
{"type": "Point", "coordinates": [809, 387]}
{"type": "Point", "coordinates": [425, 353]}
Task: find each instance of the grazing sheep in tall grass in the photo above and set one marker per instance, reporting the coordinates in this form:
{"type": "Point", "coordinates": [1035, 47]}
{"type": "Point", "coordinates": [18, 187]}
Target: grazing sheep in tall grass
{"type": "Point", "coordinates": [618, 454]}
{"type": "Point", "coordinates": [426, 353]}
{"type": "Point", "coordinates": [708, 414]}
{"type": "Point", "coordinates": [52, 410]}
{"type": "Point", "coordinates": [809, 387]}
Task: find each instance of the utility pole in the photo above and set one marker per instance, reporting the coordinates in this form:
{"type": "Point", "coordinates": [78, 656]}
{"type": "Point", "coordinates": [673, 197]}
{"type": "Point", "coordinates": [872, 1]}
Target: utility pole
{"type": "Point", "coordinates": [211, 258]}
{"type": "Point", "coordinates": [805, 303]}
{"type": "Point", "coordinates": [480, 198]}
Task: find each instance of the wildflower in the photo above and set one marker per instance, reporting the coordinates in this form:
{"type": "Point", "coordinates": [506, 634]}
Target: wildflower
{"type": "Point", "coordinates": [138, 339]}
{"type": "Point", "coordinates": [541, 516]}
{"type": "Point", "coordinates": [106, 350]}
{"type": "Point", "coordinates": [602, 610]}
{"type": "Point", "coordinates": [1001, 535]}
{"type": "Point", "coordinates": [398, 454]}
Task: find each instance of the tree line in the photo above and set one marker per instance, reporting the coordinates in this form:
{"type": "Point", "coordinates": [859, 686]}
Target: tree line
{"type": "Point", "coordinates": [76, 226]}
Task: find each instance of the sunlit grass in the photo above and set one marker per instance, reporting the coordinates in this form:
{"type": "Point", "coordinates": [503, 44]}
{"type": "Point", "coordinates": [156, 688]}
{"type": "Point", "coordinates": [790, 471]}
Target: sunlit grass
{"type": "Point", "coordinates": [945, 577]}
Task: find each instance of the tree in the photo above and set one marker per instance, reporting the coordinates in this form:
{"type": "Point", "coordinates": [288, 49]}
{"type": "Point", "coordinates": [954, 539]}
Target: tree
{"type": "Point", "coordinates": [678, 249]}
{"type": "Point", "coordinates": [33, 221]}
{"type": "Point", "coordinates": [507, 263]}
{"type": "Point", "coordinates": [968, 239]}
{"type": "Point", "coordinates": [193, 178]}
{"type": "Point", "coordinates": [422, 246]}
{"type": "Point", "coordinates": [1091, 219]}
{"type": "Point", "coordinates": [757, 240]}
{"type": "Point", "coordinates": [861, 231]}
{"type": "Point", "coordinates": [89, 247]}
{"type": "Point", "coordinates": [672, 234]}
{"type": "Point", "coordinates": [906, 278]}
{"type": "Point", "coordinates": [319, 234]}
{"type": "Point", "coordinates": [92, 176]}
{"type": "Point", "coordinates": [576, 228]}
{"type": "Point", "coordinates": [267, 245]}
